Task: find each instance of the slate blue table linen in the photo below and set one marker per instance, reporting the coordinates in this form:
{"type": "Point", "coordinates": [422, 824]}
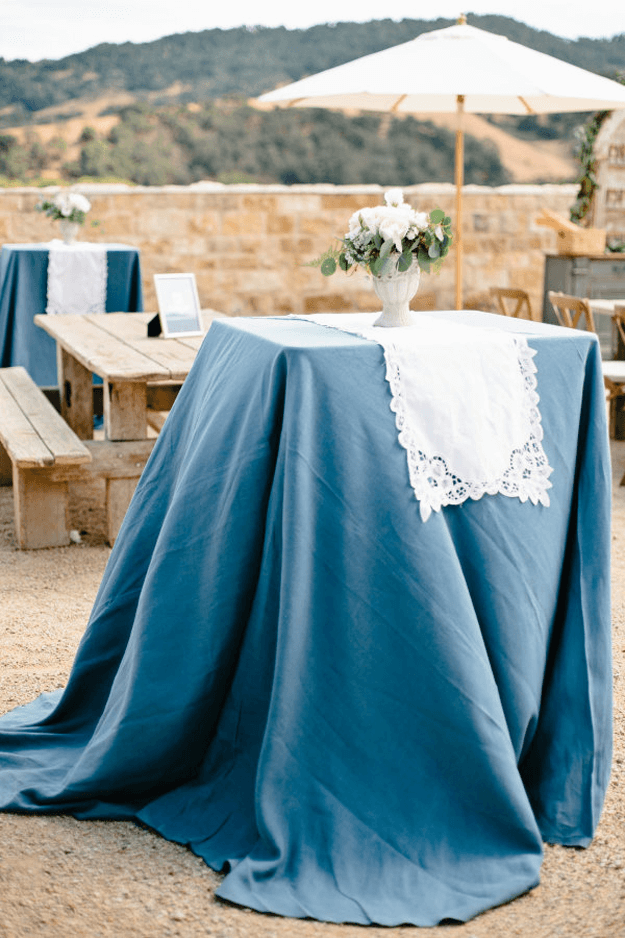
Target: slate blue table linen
{"type": "Point", "coordinates": [361, 717]}
{"type": "Point", "coordinates": [23, 294]}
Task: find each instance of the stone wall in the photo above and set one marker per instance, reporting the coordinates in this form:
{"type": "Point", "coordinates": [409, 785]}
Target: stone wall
{"type": "Point", "coordinates": [248, 245]}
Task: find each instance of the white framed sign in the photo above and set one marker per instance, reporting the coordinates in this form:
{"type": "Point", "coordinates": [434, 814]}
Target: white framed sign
{"type": "Point", "coordinates": [178, 304]}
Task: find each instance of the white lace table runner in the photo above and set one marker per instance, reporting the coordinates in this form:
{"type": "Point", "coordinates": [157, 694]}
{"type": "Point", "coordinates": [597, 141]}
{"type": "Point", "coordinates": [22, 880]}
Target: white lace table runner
{"type": "Point", "coordinates": [466, 408]}
{"type": "Point", "coordinates": [76, 278]}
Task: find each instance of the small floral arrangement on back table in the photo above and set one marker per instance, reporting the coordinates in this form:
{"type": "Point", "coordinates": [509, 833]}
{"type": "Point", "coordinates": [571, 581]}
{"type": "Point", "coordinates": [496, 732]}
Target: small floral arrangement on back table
{"type": "Point", "coordinates": [391, 237]}
{"type": "Point", "coordinates": [66, 206]}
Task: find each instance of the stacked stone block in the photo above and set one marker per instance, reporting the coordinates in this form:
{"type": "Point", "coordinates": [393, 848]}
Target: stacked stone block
{"type": "Point", "coordinates": [249, 245]}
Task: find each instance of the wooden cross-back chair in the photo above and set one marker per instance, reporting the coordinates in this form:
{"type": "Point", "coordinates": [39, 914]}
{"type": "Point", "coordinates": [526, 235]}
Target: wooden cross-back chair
{"type": "Point", "coordinates": [618, 318]}
{"type": "Point", "coordinates": [511, 302]}
{"type": "Point", "coordinates": [573, 310]}
{"type": "Point", "coordinates": [570, 310]}
{"type": "Point", "coordinates": [614, 375]}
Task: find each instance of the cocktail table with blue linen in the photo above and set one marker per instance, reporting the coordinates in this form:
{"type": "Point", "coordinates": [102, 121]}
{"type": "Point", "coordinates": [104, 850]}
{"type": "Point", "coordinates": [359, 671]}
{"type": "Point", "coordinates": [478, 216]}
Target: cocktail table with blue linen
{"type": "Point", "coordinates": [24, 293]}
{"type": "Point", "coordinates": [361, 715]}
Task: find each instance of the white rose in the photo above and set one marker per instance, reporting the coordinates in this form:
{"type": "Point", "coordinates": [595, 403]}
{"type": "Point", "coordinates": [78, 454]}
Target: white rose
{"type": "Point", "coordinates": [80, 202]}
{"type": "Point", "coordinates": [62, 202]}
{"type": "Point", "coordinates": [395, 229]}
{"type": "Point", "coordinates": [356, 223]}
{"type": "Point", "coordinates": [421, 220]}
{"type": "Point", "coordinates": [394, 197]}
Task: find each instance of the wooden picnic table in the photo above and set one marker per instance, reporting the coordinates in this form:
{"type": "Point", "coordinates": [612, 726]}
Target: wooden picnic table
{"type": "Point", "coordinates": [141, 377]}
{"type": "Point", "coordinates": [139, 373]}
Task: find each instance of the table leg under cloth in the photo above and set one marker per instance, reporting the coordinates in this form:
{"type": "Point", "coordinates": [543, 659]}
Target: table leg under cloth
{"type": "Point", "coordinates": [361, 717]}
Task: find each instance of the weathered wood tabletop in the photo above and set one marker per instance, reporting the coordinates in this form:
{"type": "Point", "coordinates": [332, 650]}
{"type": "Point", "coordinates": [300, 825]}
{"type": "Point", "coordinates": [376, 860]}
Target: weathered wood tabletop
{"type": "Point", "coordinates": [116, 347]}
{"type": "Point", "coordinates": [141, 376]}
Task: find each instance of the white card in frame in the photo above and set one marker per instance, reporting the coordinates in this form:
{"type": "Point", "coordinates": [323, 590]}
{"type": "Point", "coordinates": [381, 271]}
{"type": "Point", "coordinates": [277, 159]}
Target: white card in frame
{"type": "Point", "coordinates": [178, 304]}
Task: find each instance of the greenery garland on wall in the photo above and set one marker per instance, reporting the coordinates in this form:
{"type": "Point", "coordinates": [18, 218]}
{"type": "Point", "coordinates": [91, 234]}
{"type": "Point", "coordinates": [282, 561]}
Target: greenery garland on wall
{"type": "Point", "coordinates": [587, 180]}
{"type": "Point", "coordinates": [586, 136]}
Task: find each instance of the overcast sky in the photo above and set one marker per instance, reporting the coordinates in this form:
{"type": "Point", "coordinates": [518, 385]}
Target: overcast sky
{"type": "Point", "coordinates": [51, 29]}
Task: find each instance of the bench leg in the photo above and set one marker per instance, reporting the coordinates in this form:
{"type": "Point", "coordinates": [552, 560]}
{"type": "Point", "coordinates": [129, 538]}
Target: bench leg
{"type": "Point", "coordinates": [118, 495]}
{"type": "Point", "coordinates": [41, 510]}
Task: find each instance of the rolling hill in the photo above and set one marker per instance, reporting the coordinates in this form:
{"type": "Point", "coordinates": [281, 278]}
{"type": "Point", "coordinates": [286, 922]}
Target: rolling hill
{"type": "Point", "coordinates": [99, 113]}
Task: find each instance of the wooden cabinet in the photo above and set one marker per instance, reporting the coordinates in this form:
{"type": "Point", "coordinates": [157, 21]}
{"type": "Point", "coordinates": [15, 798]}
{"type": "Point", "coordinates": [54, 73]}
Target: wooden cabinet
{"type": "Point", "coordinates": [599, 276]}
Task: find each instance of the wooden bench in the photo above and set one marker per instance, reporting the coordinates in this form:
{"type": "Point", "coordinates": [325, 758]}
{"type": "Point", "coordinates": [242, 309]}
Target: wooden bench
{"type": "Point", "coordinates": [35, 439]}
{"type": "Point", "coordinates": [42, 456]}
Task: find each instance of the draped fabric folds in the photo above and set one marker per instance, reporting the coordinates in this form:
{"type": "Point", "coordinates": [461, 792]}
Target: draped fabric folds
{"type": "Point", "coordinates": [358, 716]}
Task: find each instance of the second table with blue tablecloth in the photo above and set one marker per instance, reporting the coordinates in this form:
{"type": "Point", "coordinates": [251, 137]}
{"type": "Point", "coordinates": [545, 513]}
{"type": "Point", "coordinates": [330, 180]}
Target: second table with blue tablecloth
{"type": "Point", "coordinates": [23, 294]}
{"type": "Point", "coordinates": [358, 713]}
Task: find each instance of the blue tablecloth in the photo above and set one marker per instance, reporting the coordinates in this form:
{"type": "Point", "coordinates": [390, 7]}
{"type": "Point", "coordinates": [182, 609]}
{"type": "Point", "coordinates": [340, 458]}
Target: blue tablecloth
{"type": "Point", "coordinates": [360, 716]}
{"type": "Point", "coordinates": [23, 291]}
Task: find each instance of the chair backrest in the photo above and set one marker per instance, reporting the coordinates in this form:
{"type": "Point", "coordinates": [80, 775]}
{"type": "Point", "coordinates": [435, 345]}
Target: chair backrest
{"type": "Point", "coordinates": [569, 310]}
{"type": "Point", "coordinates": [618, 318]}
{"type": "Point", "coordinates": [511, 302]}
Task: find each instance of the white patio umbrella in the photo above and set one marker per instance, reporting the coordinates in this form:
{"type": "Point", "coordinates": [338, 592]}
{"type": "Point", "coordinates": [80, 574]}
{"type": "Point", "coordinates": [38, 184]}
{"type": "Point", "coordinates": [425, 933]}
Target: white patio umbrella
{"type": "Point", "coordinates": [458, 69]}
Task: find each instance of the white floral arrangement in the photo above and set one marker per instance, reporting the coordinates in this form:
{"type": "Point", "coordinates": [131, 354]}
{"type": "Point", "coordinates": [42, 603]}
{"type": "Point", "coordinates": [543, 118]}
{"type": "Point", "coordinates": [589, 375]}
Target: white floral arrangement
{"type": "Point", "coordinates": [391, 237]}
{"type": "Point", "coordinates": [68, 206]}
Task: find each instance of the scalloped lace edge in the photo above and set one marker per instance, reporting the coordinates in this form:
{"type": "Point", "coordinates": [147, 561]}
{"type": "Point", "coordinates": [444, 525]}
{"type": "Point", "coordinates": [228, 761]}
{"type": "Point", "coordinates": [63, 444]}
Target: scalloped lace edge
{"type": "Point", "coordinates": [433, 482]}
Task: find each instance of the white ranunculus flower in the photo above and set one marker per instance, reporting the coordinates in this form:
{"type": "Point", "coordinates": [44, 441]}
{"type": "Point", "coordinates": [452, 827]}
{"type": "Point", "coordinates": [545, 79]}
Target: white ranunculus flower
{"type": "Point", "coordinates": [395, 229]}
{"type": "Point", "coordinates": [421, 220]}
{"type": "Point", "coordinates": [63, 204]}
{"type": "Point", "coordinates": [68, 202]}
{"type": "Point", "coordinates": [394, 197]}
{"type": "Point", "coordinates": [80, 202]}
{"type": "Point", "coordinates": [356, 223]}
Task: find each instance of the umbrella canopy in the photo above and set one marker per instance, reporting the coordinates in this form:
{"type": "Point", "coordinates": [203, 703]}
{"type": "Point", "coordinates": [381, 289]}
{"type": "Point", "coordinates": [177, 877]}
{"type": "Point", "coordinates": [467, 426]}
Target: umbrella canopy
{"type": "Point", "coordinates": [458, 69]}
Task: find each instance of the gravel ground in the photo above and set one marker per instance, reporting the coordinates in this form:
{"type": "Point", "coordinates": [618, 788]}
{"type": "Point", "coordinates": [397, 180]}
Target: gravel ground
{"type": "Point", "coordinates": [59, 876]}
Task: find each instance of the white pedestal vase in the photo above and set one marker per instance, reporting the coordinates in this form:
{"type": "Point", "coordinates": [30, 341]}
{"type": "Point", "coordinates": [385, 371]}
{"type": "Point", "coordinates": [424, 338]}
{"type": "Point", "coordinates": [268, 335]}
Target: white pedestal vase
{"type": "Point", "coordinates": [396, 289]}
{"type": "Point", "coordinates": [69, 230]}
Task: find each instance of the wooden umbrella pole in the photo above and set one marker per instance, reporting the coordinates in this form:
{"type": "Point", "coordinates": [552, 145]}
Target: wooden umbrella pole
{"type": "Point", "coordinates": [459, 178]}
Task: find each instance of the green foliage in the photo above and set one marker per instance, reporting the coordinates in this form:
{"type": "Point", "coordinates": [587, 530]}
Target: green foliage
{"type": "Point", "coordinates": [88, 133]}
{"type": "Point", "coordinates": [236, 143]}
{"type": "Point", "coordinates": [390, 237]}
{"type": "Point", "coordinates": [327, 262]}
{"type": "Point", "coordinates": [587, 180]}
{"type": "Point", "coordinates": [21, 161]}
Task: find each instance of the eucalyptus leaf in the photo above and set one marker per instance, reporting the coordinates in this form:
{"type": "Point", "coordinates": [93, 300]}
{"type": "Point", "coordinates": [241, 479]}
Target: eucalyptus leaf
{"type": "Point", "coordinates": [328, 266]}
{"type": "Point", "coordinates": [405, 261]}
{"type": "Point", "coordinates": [385, 250]}
{"type": "Point", "coordinates": [437, 216]}
{"type": "Point", "coordinates": [343, 262]}
{"type": "Point", "coordinates": [376, 266]}
{"type": "Point", "coordinates": [385, 265]}
{"type": "Point", "coordinates": [434, 251]}
{"type": "Point", "coordinates": [424, 260]}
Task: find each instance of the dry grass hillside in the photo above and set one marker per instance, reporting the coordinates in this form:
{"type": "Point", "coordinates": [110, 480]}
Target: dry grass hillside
{"type": "Point", "coordinates": [526, 161]}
